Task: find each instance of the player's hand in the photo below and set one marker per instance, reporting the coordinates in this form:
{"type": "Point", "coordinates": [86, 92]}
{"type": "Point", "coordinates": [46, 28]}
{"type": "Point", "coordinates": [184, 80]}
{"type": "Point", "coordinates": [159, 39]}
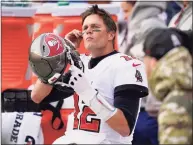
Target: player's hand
{"type": "Point", "coordinates": [74, 59]}
{"type": "Point", "coordinates": [79, 82]}
{"type": "Point", "coordinates": [75, 36]}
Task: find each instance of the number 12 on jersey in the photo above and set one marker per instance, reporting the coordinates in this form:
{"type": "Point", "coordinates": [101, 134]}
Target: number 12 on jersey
{"type": "Point", "coordinates": [82, 122]}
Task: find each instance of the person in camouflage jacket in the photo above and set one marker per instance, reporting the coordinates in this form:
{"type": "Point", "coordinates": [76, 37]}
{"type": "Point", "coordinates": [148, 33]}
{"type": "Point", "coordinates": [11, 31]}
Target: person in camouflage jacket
{"type": "Point", "coordinates": [170, 81]}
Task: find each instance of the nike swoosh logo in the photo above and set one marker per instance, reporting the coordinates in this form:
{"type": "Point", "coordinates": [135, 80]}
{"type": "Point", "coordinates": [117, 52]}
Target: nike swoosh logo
{"type": "Point", "coordinates": [134, 65]}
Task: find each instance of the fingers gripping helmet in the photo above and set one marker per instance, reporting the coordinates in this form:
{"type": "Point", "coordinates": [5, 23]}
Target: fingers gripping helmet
{"type": "Point", "coordinates": [48, 57]}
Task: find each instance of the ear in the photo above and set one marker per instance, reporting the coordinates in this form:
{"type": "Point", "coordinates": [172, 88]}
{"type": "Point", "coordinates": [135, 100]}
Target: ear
{"type": "Point", "coordinates": [153, 62]}
{"type": "Point", "coordinates": [111, 35]}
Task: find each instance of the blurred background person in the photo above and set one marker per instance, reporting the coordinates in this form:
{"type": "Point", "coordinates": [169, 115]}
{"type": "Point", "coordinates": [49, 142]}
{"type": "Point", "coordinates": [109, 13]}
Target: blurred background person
{"type": "Point", "coordinates": [172, 9]}
{"type": "Point", "coordinates": [144, 17]}
{"type": "Point", "coordinates": [126, 8]}
{"type": "Point", "coordinates": [169, 70]}
{"type": "Point", "coordinates": [183, 19]}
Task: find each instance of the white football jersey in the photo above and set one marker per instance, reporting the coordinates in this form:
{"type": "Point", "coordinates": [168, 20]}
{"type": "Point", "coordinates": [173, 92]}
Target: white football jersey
{"type": "Point", "coordinates": [112, 71]}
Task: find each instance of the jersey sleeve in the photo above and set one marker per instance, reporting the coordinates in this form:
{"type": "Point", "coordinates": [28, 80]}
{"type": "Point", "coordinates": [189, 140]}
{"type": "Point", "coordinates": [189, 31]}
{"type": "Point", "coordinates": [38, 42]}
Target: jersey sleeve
{"type": "Point", "coordinates": [130, 78]}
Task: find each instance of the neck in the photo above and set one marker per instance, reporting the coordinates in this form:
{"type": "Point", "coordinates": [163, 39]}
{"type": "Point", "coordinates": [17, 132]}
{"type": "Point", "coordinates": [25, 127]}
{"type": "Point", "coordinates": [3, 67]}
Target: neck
{"type": "Point", "coordinates": [102, 51]}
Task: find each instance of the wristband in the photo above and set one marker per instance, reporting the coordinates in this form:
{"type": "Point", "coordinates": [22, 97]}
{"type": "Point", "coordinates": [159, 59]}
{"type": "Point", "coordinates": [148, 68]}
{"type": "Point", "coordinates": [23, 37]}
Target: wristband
{"type": "Point", "coordinates": [98, 104]}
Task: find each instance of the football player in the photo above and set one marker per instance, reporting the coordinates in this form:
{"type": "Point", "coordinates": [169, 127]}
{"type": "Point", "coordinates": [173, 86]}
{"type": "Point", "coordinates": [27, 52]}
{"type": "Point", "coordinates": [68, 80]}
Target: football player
{"type": "Point", "coordinates": [107, 89]}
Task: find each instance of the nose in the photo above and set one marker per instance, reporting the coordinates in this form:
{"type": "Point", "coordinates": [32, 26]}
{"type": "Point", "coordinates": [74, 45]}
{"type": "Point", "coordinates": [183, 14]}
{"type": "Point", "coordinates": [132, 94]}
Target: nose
{"type": "Point", "coordinates": [89, 30]}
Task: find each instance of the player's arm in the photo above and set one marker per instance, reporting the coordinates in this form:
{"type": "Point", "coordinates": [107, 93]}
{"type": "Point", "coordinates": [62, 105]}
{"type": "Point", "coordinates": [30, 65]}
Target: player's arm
{"type": "Point", "coordinates": [130, 84]}
{"type": "Point", "coordinates": [40, 91]}
{"type": "Point", "coordinates": [47, 93]}
{"type": "Point", "coordinates": [127, 102]}
{"type": "Point", "coordinates": [119, 123]}
{"type": "Point", "coordinates": [123, 120]}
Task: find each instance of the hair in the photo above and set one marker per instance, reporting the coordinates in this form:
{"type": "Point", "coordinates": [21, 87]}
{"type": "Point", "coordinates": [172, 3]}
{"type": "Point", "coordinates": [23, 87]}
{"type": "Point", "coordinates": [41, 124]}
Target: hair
{"type": "Point", "coordinates": [107, 19]}
{"type": "Point", "coordinates": [131, 2]}
{"type": "Point", "coordinates": [159, 41]}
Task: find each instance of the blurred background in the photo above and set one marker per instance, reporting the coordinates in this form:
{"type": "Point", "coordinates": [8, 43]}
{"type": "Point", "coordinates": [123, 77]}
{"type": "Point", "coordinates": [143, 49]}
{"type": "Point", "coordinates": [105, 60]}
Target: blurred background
{"type": "Point", "coordinates": [22, 21]}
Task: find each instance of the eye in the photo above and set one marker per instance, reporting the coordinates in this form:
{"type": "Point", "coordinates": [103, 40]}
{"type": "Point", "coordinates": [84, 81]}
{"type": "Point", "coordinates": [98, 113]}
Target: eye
{"type": "Point", "coordinates": [84, 28]}
{"type": "Point", "coordinates": [95, 26]}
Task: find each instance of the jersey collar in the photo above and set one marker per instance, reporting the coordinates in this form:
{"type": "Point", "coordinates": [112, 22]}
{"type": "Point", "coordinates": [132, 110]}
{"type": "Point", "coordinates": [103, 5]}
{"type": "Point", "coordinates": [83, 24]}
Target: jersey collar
{"type": "Point", "coordinates": [94, 61]}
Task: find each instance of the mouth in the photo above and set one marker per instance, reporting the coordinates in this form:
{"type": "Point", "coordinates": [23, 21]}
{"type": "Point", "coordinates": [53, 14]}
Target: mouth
{"type": "Point", "coordinates": [89, 38]}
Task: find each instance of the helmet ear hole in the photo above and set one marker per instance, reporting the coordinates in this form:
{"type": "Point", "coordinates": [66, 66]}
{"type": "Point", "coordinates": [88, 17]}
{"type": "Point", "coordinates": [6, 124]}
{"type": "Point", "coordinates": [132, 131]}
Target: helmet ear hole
{"type": "Point", "coordinates": [43, 48]}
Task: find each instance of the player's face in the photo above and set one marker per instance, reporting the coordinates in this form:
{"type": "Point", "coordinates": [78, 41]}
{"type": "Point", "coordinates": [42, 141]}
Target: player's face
{"type": "Point", "coordinates": [95, 33]}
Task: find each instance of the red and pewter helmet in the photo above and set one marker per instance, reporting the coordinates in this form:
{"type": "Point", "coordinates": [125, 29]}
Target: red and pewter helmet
{"type": "Point", "coordinates": [48, 56]}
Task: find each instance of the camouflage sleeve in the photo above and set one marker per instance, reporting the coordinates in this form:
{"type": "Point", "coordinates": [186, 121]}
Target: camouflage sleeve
{"type": "Point", "coordinates": [175, 121]}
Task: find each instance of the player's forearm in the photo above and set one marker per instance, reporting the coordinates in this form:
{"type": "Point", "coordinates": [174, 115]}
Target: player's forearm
{"type": "Point", "coordinates": [40, 91]}
{"type": "Point", "coordinates": [114, 117]}
{"type": "Point", "coordinates": [119, 123]}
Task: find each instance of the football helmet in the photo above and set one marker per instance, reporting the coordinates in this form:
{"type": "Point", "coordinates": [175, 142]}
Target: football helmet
{"type": "Point", "coordinates": [49, 56]}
